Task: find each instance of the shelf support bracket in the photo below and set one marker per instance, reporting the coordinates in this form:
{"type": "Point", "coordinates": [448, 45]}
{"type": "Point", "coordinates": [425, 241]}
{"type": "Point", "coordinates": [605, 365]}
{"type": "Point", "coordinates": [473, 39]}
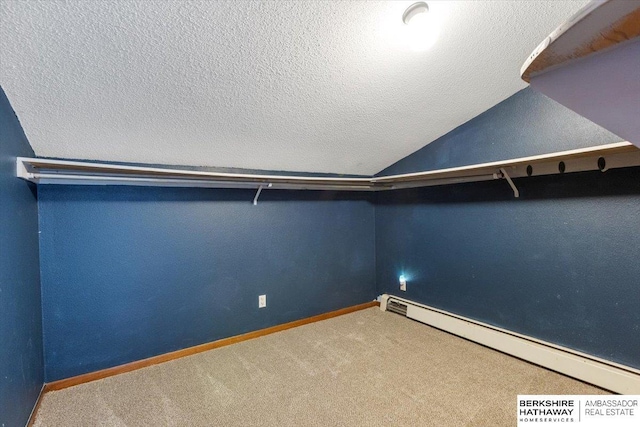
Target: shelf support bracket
{"type": "Point", "coordinates": [22, 172]}
{"type": "Point", "coordinates": [255, 199]}
{"type": "Point", "coordinates": [506, 176]}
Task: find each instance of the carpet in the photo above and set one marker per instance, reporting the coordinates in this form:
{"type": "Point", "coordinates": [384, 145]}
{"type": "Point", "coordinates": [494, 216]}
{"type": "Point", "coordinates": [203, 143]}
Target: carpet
{"type": "Point", "coordinates": [368, 368]}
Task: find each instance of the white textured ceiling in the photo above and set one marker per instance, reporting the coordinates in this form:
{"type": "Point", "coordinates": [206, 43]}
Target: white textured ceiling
{"type": "Point", "coordinates": [297, 86]}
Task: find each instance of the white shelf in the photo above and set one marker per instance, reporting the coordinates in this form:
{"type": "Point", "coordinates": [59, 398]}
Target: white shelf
{"type": "Point", "coordinates": [598, 26]}
{"type": "Point", "coordinates": [46, 171]}
{"type": "Point", "coordinates": [591, 65]}
{"type": "Point", "coordinates": [50, 172]}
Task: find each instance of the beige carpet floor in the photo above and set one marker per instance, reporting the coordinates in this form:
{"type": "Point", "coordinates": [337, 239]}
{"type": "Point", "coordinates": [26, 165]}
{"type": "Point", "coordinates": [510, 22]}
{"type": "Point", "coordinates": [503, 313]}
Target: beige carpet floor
{"type": "Point", "coordinates": [367, 368]}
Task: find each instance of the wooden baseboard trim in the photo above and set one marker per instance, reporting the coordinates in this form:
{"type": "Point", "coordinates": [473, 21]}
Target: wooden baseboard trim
{"type": "Point", "coordinates": [138, 364]}
{"type": "Point", "coordinates": [34, 411]}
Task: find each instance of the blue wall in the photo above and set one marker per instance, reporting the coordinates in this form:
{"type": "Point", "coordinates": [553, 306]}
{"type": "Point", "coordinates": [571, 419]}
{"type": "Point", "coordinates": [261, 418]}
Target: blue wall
{"type": "Point", "coordinates": [525, 124]}
{"type": "Point", "coordinates": [132, 272]}
{"type": "Point", "coordinates": [560, 263]}
{"type": "Point", "coordinates": [21, 362]}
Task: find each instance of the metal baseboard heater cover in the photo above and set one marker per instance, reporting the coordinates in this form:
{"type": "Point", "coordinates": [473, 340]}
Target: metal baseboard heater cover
{"type": "Point", "coordinates": [600, 372]}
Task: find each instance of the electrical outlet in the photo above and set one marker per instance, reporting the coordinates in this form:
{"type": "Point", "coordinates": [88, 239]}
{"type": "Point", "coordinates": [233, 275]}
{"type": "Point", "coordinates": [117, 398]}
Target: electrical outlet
{"type": "Point", "coordinates": [403, 283]}
{"type": "Point", "coordinates": [262, 301]}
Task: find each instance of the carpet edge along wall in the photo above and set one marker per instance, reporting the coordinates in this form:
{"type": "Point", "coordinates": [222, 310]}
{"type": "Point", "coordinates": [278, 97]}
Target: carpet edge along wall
{"type": "Point", "coordinates": [559, 264]}
{"type": "Point", "coordinates": [189, 351]}
{"type": "Point", "coordinates": [21, 358]}
{"type": "Point", "coordinates": [133, 272]}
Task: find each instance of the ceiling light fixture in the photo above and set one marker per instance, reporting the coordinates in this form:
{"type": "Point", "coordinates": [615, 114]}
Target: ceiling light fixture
{"type": "Point", "coordinates": [414, 10]}
{"type": "Point", "coordinates": [423, 32]}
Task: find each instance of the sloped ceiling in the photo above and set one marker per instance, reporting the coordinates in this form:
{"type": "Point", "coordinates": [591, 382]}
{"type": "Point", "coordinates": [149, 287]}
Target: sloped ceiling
{"type": "Point", "coordinates": [294, 86]}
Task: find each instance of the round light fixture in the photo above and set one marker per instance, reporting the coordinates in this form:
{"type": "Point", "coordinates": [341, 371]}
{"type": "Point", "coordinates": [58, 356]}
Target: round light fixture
{"type": "Point", "coordinates": [422, 31]}
{"type": "Point", "coordinates": [413, 11]}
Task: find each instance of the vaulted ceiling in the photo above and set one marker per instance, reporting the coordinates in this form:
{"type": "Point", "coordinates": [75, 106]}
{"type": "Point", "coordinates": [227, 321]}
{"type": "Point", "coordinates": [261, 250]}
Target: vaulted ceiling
{"type": "Point", "coordinates": [297, 86]}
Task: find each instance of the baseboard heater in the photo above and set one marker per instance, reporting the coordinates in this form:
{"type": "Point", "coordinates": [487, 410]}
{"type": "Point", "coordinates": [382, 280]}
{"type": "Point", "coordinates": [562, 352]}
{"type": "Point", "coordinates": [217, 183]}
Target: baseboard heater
{"type": "Point", "coordinates": [611, 376]}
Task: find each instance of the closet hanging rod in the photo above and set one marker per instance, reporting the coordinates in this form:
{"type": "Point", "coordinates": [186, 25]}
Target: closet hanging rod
{"type": "Point", "coordinates": [603, 157]}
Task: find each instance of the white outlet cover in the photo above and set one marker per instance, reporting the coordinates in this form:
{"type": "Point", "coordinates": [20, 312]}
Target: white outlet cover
{"type": "Point", "coordinates": [262, 301]}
